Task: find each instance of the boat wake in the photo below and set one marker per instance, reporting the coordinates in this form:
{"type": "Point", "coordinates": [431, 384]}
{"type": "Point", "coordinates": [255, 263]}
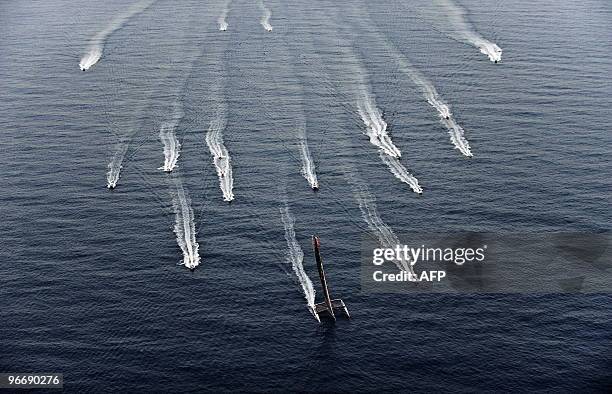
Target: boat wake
{"type": "Point", "coordinates": [401, 173]}
{"type": "Point", "coordinates": [92, 56]}
{"type": "Point", "coordinates": [354, 79]}
{"type": "Point", "coordinates": [488, 48]}
{"type": "Point", "coordinates": [172, 147]}
{"type": "Point", "coordinates": [265, 18]}
{"type": "Point", "coordinates": [223, 25]}
{"type": "Point", "coordinates": [184, 227]}
{"type": "Point", "coordinates": [386, 236]}
{"type": "Point", "coordinates": [220, 154]}
{"type": "Point", "coordinates": [115, 166]}
{"type": "Point", "coordinates": [376, 127]}
{"type": "Point", "coordinates": [457, 136]}
{"type": "Point", "coordinates": [308, 167]}
{"type": "Point", "coordinates": [295, 110]}
{"type": "Point", "coordinates": [430, 94]}
{"type": "Point", "coordinates": [96, 44]}
{"type": "Point", "coordinates": [464, 31]}
{"type": "Point", "coordinates": [295, 256]}
{"type": "Point", "coordinates": [433, 98]}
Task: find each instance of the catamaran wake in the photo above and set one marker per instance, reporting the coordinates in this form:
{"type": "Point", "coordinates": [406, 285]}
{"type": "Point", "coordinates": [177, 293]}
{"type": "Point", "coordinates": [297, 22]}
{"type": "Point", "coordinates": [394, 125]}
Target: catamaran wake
{"type": "Point", "coordinates": [184, 227]}
{"type": "Point", "coordinates": [295, 256]}
{"type": "Point", "coordinates": [465, 31]}
{"type": "Point", "coordinates": [265, 18]}
{"type": "Point", "coordinates": [223, 17]}
{"type": "Point", "coordinates": [96, 44]}
{"type": "Point", "coordinates": [220, 154]}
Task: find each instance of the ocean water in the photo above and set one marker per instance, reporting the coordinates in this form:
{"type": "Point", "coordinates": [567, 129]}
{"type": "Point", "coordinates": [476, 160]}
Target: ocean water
{"type": "Point", "coordinates": [91, 281]}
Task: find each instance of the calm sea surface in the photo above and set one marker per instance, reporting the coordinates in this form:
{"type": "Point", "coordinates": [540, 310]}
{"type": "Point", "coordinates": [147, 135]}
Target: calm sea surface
{"type": "Point", "coordinates": [90, 284]}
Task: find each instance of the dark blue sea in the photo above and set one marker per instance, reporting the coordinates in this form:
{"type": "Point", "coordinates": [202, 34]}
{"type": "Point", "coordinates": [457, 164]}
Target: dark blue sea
{"type": "Point", "coordinates": [91, 284]}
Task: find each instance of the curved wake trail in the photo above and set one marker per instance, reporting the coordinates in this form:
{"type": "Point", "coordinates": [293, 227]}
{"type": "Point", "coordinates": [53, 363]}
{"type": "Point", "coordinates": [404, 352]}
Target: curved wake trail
{"type": "Point", "coordinates": [223, 25]}
{"type": "Point", "coordinates": [376, 127]}
{"type": "Point", "coordinates": [295, 256]}
{"type": "Point", "coordinates": [386, 236]}
{"type": "Point", "coordinates": [401, 173]}
{"type": "Point", "coordinates": [466, 32]}
{"type": "Point", "coordinates": [265, 18]}
{"type": "Point", "coordinates": [96, 44]}
{"type": "Point", "coordinates": [115, 166]}
{"type": "Point", "coordinates": [184, 227]}
{"type": "Point", "coordinates": [172, 147]}
{"type": "Point", "coordinates": [221, 157]}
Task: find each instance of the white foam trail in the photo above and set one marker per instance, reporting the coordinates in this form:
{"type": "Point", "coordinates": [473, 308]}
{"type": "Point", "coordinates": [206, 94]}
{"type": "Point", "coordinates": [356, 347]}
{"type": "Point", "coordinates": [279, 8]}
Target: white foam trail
{"type": "Point", "coordinates": [429, 92]}
{"type": "Point", "coordinates": [295, 256]}
{"type": "Point", "coordinates": [92, 56]}
{"type": "Point", "coordinates": [372, 117]}
{"type": "Point", "coordinates": [401, 172]}
{"type": "Point", "coordinates": [220, 154]}
{"type": "Point", "coordinates": [172, 147]}
{"type": "Point", "coordinates": [115, 166]}
{"type": "Point", "coordinates": [433, 98]}
{"type": "Point", "coordinates": [265, 18]}
{"type": "Point", "coordinates": [184, 227]}
{"type": "Point", "coordinates": [223, 17]}
{"type": "Point", "coordinates": [376, 127]}
{"type": "Point", "coordinates": [308, 167]}
{"type": "Point", "coordinates": [490, 49]}
{"type": "Point", "coordinates": [96, 44]}
{"type": "Point", "coordinates": [457, 136]}
{"type": "Point", "coordinates": [466, 32]}
{"type": "Point", "coordinates": [386, 237]}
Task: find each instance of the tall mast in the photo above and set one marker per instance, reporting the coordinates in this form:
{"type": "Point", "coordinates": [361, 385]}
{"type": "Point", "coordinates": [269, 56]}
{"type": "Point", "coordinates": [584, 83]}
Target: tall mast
{"type": "Point", "coordinates": [317, 244]}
